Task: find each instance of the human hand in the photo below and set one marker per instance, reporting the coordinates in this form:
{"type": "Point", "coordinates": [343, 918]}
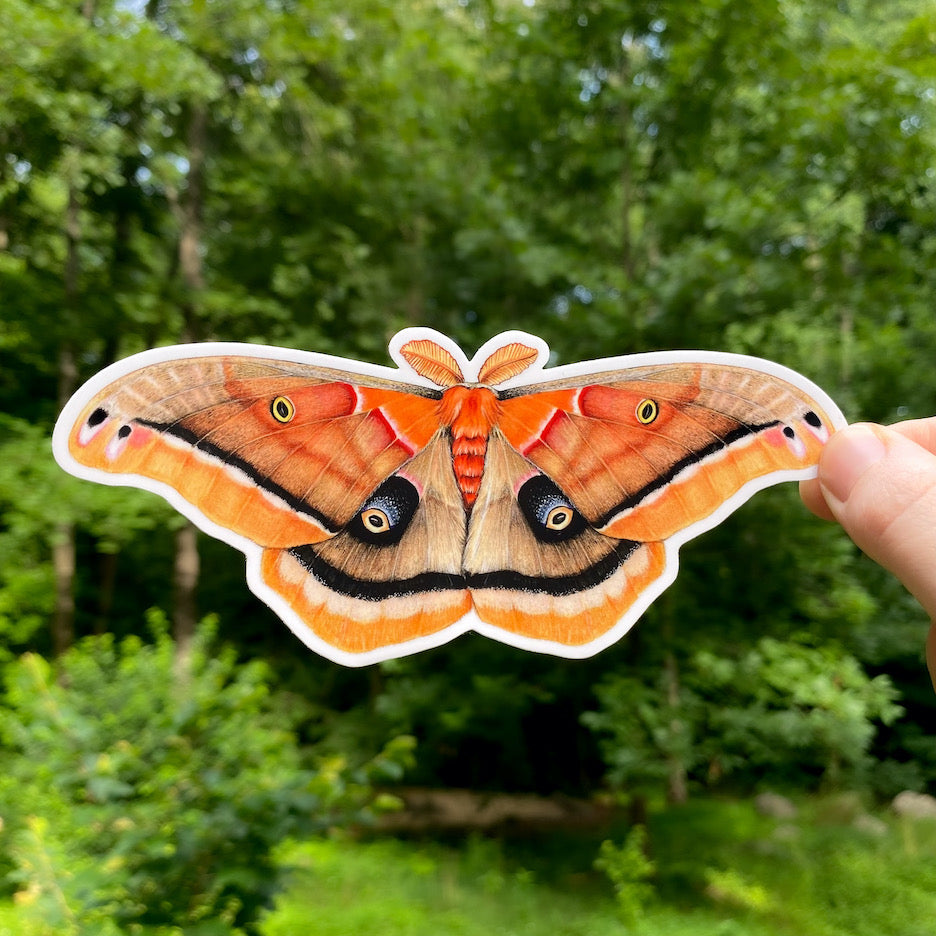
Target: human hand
{"type": "Point", "coordinates": [880, 484]}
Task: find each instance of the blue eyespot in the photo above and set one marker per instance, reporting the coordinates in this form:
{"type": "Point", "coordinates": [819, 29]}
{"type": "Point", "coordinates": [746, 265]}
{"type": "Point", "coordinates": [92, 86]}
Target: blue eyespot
{"type": "Point", "coordinates": [549, 512]}
{"type": "Point", "coordinates": [385, 515]}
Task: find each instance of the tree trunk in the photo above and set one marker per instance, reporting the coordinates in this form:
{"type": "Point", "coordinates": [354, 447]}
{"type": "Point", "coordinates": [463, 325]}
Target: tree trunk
{"type": "Point", "coordinates": [189, 210]}
{"type": "Point", "coordinates": [847, 336]}
{"type": "Point", "coordinates": [63, 543]}
{"type": "Point", "coordinates": [627, 169]}
{"type": "Point", "coordinates": [63, 564]}
{"type": "Point", "coordinates": [677, 789]}
{"type": "Point", "coordinates": [185, 581]}
{"type": "Point", "coordinates": [107, 585]}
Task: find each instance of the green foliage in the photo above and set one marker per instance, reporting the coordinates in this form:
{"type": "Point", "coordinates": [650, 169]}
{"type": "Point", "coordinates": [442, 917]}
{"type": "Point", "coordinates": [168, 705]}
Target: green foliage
{"type": "Point", "coordinates": [720, 870]}
{"type": "Point", "coordinates": [629, 869]}
{"type": "Point", "coordinates": [642, 731]}
{"type": "Point", "coordinates": [732, 887]}
{"type": "Point", "coordinates": [617, 177]}
{"type": "Point", "coordinates": [36, 496]}
{"type": "Point", "coordinates": [822, 874]}
{"type": "Point", "coordinates": [141, 793]}
{"type": "Point", "coordinates": [786, 702]}
{"type": "Point", "coordinates": [614, 176]}
{"type": "Point", "coordinates": [62, 892]}
{"type": "Point", "coordinates": [787, 706]}
{"type": "Point", "coordinates": [408, 888]}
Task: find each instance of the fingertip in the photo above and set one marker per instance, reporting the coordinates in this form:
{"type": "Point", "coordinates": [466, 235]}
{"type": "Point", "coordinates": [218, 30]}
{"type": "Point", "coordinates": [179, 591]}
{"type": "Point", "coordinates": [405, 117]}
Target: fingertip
{"type": "Point", "coordinates": [845, 458]}
{"type": "Point", "coordinates": [811, 494]}
{"type": "Point", "coordinates": [880, 483]}
{"type": "Point", "coordinates": [881, 486]}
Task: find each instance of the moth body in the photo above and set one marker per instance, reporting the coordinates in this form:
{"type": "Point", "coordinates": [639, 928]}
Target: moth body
{"type": "Point", "coordinates": [469, 414]}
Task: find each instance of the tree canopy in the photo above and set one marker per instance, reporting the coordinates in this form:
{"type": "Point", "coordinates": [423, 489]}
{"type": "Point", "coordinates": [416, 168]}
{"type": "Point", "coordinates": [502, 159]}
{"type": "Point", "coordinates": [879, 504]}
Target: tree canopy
{"type": "Point", "coordinates": [755, 176]}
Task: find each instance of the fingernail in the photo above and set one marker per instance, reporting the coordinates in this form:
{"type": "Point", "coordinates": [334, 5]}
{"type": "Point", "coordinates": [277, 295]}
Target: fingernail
{"type": "Point", "coordinates": [848, 455]}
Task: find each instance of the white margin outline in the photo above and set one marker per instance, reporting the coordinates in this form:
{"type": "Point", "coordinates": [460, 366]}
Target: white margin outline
{"type": "Point", "coordinates": [536, 373]}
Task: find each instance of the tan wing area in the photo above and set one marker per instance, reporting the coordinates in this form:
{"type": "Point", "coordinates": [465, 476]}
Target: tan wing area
{"type": "Point", "coordinates": [397, 581]}
{"type": "Point", "coordinates": [537, 572]}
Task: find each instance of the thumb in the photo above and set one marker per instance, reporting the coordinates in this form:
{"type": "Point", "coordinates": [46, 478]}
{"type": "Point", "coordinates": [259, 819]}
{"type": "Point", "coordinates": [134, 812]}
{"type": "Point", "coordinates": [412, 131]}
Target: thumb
{"type": "Point", "coordinates": [881, 486]}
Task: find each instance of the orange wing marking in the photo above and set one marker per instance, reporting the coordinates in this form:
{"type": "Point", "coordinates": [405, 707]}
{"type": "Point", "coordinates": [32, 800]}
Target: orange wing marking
{"type": "Point", "coordinates": [412, 419]}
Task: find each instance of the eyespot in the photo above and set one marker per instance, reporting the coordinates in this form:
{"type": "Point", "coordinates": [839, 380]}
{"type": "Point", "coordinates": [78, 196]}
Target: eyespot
{"type": "Point", "coordinates": [375, 520]}
{"type": "Point", "coordinates": [548, 511]}
{"type": "Point", "coordinates": [646, 411]}
{"type": "Point", "coordinates": [282, 409]}
{"type": "Point", "coordinates": [559, 517]}
{"type": "Point", "coordinates": [385, 515]}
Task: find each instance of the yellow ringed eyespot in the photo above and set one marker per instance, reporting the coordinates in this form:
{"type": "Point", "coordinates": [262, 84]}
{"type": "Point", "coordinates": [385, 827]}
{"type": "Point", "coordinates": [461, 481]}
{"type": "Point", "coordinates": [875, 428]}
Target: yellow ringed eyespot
{"type": "Point", "coordinates": [559, 517]}
{"type": "Point", "coordinates": [375, 520]}
{"type": "Point", "coordinates": [282, 409]}
{"type": "Point", "coordinates": [647, 411]}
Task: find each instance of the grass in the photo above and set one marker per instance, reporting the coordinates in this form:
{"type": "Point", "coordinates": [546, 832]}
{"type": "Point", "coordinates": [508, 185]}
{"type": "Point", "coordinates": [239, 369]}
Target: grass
{"type": "Point", "coordinates": [820, 875]}
{"type": "Point", "coordinates": [722, 870]}
{"type": "Point", "coordinates": [395, 888]}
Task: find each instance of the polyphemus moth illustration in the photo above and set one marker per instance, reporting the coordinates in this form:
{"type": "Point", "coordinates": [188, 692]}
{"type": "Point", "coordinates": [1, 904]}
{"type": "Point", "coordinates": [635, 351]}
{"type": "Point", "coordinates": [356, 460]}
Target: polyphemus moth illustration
{"type": "Point", "coordinates": [383, 511]}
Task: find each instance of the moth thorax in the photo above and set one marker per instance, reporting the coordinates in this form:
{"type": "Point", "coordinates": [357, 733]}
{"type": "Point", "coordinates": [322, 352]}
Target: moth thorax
{"type": "Point", "coordinates": [470, 413]}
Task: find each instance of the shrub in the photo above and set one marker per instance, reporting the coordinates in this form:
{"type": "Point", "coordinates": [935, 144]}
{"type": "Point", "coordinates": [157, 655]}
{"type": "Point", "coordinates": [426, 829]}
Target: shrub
{"type": "Point", "coordinates": [149, 797]}
{"type": "Point", "coordinates": [629, 870]}
{"type": "Point", "coordinates": [801, 711]}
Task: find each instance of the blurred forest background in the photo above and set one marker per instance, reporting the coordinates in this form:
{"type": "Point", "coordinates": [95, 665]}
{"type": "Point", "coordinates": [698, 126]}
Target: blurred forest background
{"type": "Point", "coordinates": [756, 176]}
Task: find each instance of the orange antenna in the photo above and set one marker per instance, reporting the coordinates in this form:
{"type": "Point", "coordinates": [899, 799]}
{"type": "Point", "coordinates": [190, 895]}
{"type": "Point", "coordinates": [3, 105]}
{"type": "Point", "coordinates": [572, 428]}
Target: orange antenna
{"type": "Point", "coordinates": [433, 362]}
{"type": "Point", "coordinates": [509, 361]}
